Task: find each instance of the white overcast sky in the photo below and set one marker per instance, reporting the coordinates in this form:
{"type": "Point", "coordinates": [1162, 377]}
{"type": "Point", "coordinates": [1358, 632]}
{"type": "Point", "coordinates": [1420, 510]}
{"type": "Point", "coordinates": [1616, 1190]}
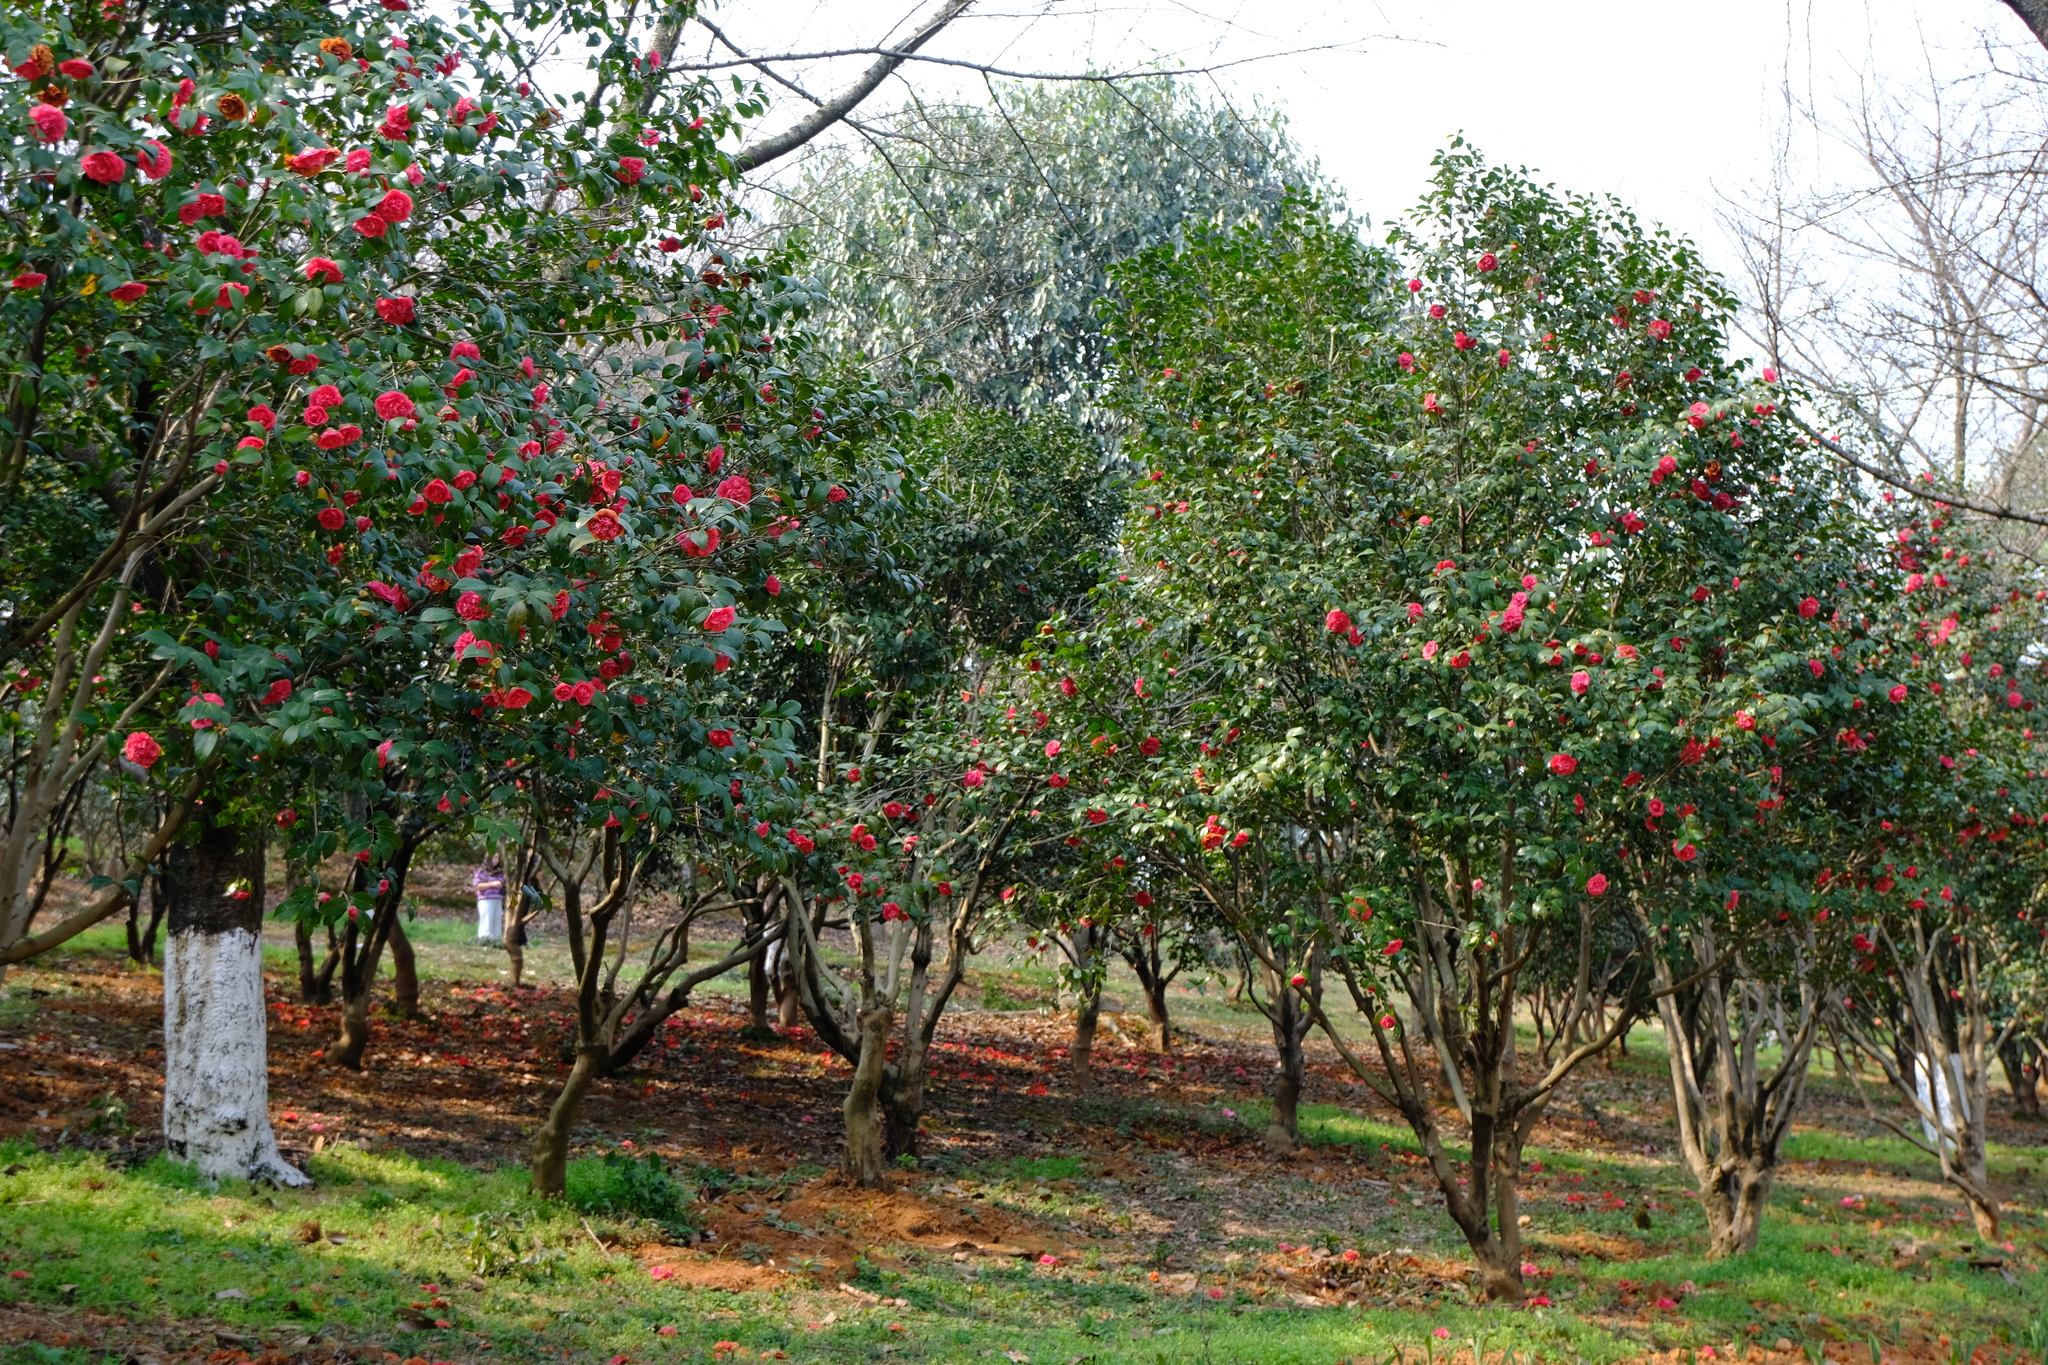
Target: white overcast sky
{"type": "Point", "coordinates": [1661, 103]}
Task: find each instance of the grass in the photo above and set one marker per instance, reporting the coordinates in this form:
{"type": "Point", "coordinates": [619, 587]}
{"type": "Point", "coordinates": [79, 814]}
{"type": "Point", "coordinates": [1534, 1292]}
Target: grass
{"type": "Point", "coordinates": [401, 1239]}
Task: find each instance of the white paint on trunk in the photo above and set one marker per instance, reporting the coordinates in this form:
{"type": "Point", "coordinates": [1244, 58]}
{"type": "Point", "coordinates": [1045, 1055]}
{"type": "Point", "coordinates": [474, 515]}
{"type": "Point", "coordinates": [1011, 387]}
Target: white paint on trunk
{"type": "Point", "coordinates": [216, 1058]}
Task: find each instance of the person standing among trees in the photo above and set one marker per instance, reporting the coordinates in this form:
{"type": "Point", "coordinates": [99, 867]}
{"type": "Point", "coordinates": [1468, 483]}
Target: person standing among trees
{"type": "Point", "coordinates": [488, 882]}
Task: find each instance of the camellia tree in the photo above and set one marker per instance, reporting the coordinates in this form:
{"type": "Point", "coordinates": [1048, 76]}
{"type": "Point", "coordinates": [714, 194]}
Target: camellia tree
{"type": "Point", "coordinates": [434, 447]}
{"type": "Point", "coordinates": [907, 853]}
{"type": "Point", "coordinates": [1501, 545]}
{"type": "Point", "coordinates": [1935, 874]}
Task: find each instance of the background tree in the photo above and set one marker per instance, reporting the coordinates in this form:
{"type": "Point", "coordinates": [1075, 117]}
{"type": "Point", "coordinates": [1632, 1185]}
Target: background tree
{"type": "Point", "coordinates": [978, 239]}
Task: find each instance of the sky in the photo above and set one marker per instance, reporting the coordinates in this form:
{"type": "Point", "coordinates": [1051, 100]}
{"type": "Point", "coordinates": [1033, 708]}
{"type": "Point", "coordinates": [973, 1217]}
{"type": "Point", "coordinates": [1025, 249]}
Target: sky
{"type": "Point", "coordinates": [1674, 108]}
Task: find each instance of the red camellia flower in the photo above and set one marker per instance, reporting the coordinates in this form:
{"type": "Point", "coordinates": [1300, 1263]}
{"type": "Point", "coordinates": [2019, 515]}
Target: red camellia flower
{"type": "Point", "coordinates": [141, 749]}
{"type": "Point", "coordinates": [721, 618]}
{"type": "Point", "coordinates": [370, 225]}
{"type": "Point", "coordinates": [153, 167]}
{"type": "Point", "coordinates": [127, 293]}
{"type": "Point", "coordinates": [1659, 330]}
{"type": "Point", "coordinates": [281, 690]}
{"type": "Point", "coordinates": [718, 739]}
{"type": "Point", "coordinates": [105, 168]}
{"type": "Point", "coordinates": [398, 312]}
{"type": "Point", "coordinates": [1564, 765]}
{"type": "Point", "coordinates": [77, 70]}
{"type": "Point", "coordinates": [1149, 746]}
{"type": "Point", "coordinates": [394, 207]}
{"type": "Point", "coordinates": [1487, 261]}
{"type": "Point", "coordinates": [1745, 721]}
{"type": "Point", "coordinates": [1391, 949]}
{"type": "Point", "coordinates": [1898, 692]}
{"type": "Point", "coordinates": [470, 607]}
{"type": "Point", "coordinates": [604, 524]}
{"type": "Point", "coordinates": [736, 488]}
{"type": "Point", "coordinates": [631, 169]}
{"type": "Point", "coordinates": [1809, 608]}
{"type": "Point", "coordinates": [394, 406]}
{"type": "Point", "coordinates": [331, 518]}
{"type": "Point", "coordinates": [50, 122]}
{"type": "Point", "coordinates": [1337, 622]}
{"type": "Point", "coordinates": [31, 279]}
{"type": "Point", "coordinates": [1581, 680]}
{"type": "Point", "coordinates": [313, 162]}
{"type": "Point", "coordinates": [1685, 853]}
{"type": "Point", "coordinates": [972, 778]}
{"type": "Point", "coordinates": [1596, 885]}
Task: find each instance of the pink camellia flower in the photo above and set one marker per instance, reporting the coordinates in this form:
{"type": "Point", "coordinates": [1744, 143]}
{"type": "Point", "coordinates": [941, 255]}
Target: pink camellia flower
{"type": "Point", "coordinates": [394, 207]}
{"type": "Point", "coordinates": [1337, 622]}
{"type": "Point", "coordinates": [1659, 330]}
{"type": "Point", "coordinates": [1596, 885]}
{"type": "Point", "coordinates": [394, 406]}
{"type": "Point", "coordinates": [141, 749]}
{"type": "Point", "coordinates": [50, 122]}
{"type": "Point", "coordinates": [721, 618]}
{"type": "Point", "coordinates": [972, 778]}
{"type": "Point", "coordinates": [1415, 611]}
{"type": "Point", "coordinates": [104, 168]}
{"type": "Point", "coordinates": [1487, 261]}
{"type": "Point", "coordinates": [470, 607]}
{"type": "Point", "coordinates": [1564, 765]}
{"type": "Point", "coordinates": [736, 488]}
{"type": "Point", "coordinates": [1898, 692]}
{"type": "Point", "coordinates": [1581, 680]}
{"type": "Point", "coordinates": [1406, 362]}
{"type": "Point", "coordinates": [1431, 405]}
{"type": "Point", "coordinates": [1745, 721]}
{"type": "Point", "coordinates": [631, 169]}
{"type": "Point", "coordinates": [604, 524]}
{"type": "Point", "coordinates": [370, 225]}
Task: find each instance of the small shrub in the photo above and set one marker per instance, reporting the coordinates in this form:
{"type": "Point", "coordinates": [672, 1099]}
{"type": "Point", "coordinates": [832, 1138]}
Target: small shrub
{"type": "Point", "coordinates": [622, 1185]}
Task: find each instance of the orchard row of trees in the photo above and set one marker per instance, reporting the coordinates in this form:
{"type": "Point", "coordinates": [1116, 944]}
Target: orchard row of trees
{"type": "Point", "coordinates": [397, 454]}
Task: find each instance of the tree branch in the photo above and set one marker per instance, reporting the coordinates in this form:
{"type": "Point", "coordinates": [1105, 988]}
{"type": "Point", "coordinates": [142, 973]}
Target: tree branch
{"type": "Point", "coordinates": [839, 106]}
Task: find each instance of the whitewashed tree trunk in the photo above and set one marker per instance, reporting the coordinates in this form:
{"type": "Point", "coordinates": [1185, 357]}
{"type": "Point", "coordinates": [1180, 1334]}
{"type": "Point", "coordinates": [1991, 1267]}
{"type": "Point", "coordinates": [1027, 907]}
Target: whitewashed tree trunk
{"type": "Point", "coordinates": [216, 1052]}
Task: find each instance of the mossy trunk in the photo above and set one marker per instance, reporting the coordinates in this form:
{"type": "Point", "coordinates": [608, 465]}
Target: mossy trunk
{"type": "Point", "coordinates": [866, 1162]}
{"type": "Point", "coordinates": [551, 1143]}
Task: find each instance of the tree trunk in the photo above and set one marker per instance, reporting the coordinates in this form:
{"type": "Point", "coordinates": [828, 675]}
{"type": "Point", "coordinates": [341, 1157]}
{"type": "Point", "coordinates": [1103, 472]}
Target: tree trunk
{"type": "Point", "coordinates": [865, 1162]}
{"type": "Point", "coordinates": [757, 991]}
{"type": "Point", "coordinates": [405, 980]}
{"type": "Point", "coordinates": [1155, 1009]}
{"type": "Point", "coordinates": [902, 1104]}
{"type": "Point", "coordinates": [1086, 1019]}
{"type": "Point", "coordinates": [2021, 1076]}
{"type": "Point", "coordinates": [216, 1056]}
{"type": "Point", "coordinates": [141, 939]}
{"type": "Point", "coordinates": [1734, 1204]}
{"type": "Point", "coordinates": [788, 1005]}
{"type": "Point", "coordinates": [1283, 1134]}
{"type": "Point", "coordinates": [551, 1143]}
{"type": "Point", "coordinates": [353, 1037]}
